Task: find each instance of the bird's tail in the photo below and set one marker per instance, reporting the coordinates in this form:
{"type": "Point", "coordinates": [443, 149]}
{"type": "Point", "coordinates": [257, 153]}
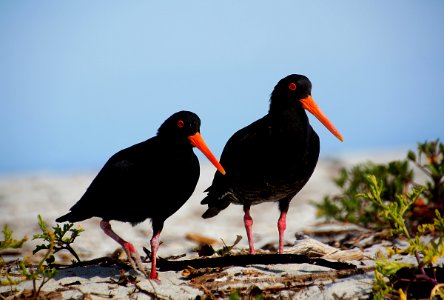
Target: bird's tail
{"type": "Point", "coordinates": [215, 205]}
{"type": "Point", "coordinates": [70, 217]}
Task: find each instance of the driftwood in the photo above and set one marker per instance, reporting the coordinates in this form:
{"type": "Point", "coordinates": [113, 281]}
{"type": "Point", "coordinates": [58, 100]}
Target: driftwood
{"type": "Point", "coordinates": [307, 250]}
{"type": "Point", "coordinates": [222, 261]}
{"type": "Point", "coordinates": [244, 260]}
{"type": "Point", "coordinates": [314, 248]}
{"type": "Point", "coordinates": [200, 239]}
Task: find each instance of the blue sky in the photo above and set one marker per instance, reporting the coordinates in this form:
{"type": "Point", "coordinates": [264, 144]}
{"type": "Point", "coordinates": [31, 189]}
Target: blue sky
{"type": "Point", "coordinates": [80, 80]}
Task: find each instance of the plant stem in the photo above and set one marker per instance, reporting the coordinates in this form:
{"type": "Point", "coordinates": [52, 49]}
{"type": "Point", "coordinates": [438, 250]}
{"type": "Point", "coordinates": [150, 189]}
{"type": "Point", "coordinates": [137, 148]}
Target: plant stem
{"type": "Point", "coordinates": [71, 250]}
{"type": "Point", "coordinates": [421, 268]}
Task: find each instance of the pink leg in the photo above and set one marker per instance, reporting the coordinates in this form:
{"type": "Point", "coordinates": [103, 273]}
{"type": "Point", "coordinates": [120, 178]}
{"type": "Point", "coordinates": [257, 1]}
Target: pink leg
{"type": "Point", "coordinates": [282, 225]}
{"type": "Point", "coordinates": [248, 221]}
{"type": "Point", "coordinates": [127, 246]}
{"type": "Point", "coordinates": [155, 242]}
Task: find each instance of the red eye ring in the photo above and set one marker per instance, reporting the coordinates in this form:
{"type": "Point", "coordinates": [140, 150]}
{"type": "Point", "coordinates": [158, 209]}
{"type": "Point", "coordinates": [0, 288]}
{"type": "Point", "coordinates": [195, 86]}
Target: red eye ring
{"type": "Point", "coordinates": [180, 124]}
{"type": "Point", "coordinates": [292, 86]}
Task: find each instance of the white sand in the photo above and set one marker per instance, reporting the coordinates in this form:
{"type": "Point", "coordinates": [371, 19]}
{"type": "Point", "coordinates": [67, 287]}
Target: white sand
{"type": "Point", "coordinates": [22, 198]}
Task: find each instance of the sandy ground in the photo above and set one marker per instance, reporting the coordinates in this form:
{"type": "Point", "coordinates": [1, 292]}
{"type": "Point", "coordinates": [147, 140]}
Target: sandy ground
{"type": "Point", "coordinates": [23, 197]}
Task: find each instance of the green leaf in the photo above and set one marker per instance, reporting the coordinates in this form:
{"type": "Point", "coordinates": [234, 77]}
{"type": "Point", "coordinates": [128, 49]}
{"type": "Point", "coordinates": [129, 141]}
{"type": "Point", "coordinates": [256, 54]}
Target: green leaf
{"type": "Point", "coordinates": [9, 241]}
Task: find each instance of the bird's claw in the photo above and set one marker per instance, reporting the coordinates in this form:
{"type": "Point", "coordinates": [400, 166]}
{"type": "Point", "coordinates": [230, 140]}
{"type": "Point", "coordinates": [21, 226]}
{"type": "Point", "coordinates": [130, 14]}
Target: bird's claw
{"type": "Point", "coordinates": [136, 263]}
{"type": "Point", "coordinates": [134, 259]}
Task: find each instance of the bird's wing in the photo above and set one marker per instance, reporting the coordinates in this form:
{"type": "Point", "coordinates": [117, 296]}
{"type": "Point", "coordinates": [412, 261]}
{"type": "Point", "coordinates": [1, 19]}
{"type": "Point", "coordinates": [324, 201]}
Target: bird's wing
{"type": "Point", "coordinates": [120, 178]}
{"type": "Point", "coordinates": [240, 155]}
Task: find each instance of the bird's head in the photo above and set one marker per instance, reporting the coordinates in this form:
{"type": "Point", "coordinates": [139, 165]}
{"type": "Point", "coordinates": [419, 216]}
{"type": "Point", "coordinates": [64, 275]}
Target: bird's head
{"type": "Point", "coordinates": [184, 126]}
{"type": "Point", "coordinates": [295, 91]}
{"type": "Point", "coordinates": [180, 125]}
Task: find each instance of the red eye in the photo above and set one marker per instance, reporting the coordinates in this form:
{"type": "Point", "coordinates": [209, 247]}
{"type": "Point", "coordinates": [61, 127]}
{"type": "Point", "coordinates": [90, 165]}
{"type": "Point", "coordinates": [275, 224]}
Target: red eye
{"type": "Point", "coordinates": [180, 123]}
{"type": "Point", "coordinates": [292, 86]}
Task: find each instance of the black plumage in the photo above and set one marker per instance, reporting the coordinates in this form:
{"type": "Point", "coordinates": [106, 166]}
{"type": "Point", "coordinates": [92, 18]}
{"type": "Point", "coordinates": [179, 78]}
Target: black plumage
{"type": "Point", "coordinates": [152, 179]}
{"type": "Point", "coordinates": [272, 158]}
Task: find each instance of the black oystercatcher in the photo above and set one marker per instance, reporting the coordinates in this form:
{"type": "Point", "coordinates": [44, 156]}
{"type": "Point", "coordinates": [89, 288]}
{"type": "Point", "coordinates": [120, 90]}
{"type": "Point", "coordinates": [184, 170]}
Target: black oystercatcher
{"type": "Point", "coordinates": [272, 158]}
{"type": "Point", "coordinates": [152, 179]}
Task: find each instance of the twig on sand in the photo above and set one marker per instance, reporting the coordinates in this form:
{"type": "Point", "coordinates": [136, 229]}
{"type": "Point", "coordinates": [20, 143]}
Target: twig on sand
{"type": "Point", "coordinates": [101, 261]}
{"type": "Point", "coordinates": [153, 295]}
{"type": "Point", "coordinates": [218, 282]}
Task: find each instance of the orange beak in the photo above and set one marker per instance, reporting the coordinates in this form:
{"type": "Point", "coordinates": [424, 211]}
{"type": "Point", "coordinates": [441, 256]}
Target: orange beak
{"type": "Point", "coordinates": [198, 142]}
{"type": "Point", "coordinates": [309, 104]}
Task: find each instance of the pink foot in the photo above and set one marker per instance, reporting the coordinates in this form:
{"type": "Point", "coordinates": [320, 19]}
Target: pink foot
{"type": "Point", "coordinates": [155, 242]}
{"type": "Point", "coordinates": [131, 253]}
{"type": "Point", "coordinates": [282, 225]}
{"type": "Point", "coordinates": [248, 221]}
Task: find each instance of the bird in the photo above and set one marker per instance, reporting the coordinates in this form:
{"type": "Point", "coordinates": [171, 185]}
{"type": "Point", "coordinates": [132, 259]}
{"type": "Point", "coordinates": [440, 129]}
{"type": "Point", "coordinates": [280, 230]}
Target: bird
{"type": "Point", "coordinates": [271, 159]}
{"type": "Point", "coordinates": [151, 179]}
